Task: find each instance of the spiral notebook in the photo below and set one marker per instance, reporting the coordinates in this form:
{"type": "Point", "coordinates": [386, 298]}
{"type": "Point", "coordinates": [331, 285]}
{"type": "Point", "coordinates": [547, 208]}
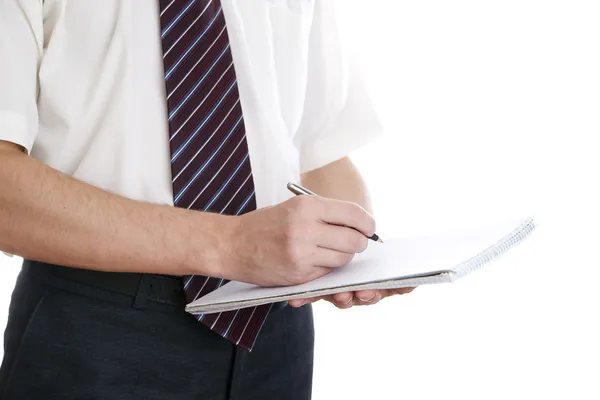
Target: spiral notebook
{"type": "Point", "coordinates": [397, 263]}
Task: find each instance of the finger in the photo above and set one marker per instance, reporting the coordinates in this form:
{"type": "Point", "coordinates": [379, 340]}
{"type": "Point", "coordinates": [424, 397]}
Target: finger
{"type": "Point", "coordinates": [340, 238]}
{"type": "Point", "coordinates": [297, 302]}
{"type": "Point", "coordinates": [348, 214]}
{"type": "Point", "coordinates": [302, 302]}
{"type": "Point", "coordinates": [331, 258]}
{"type": "Point", "coordinates": [342, 300]}
{"type": "Point", "coordinates": [398, 291]}
{"type": "Point", "coordinates": [368, 296]}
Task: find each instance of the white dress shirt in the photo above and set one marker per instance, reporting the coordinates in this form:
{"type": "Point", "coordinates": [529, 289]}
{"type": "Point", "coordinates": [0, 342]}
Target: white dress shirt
{"type": "Point", "coordinates": [82, 89]}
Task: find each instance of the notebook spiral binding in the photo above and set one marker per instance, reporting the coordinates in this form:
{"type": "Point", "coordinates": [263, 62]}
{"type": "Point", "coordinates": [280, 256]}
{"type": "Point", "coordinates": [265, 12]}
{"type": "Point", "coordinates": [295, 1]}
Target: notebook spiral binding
{"type": "Point", "coordinates": [496, 250]}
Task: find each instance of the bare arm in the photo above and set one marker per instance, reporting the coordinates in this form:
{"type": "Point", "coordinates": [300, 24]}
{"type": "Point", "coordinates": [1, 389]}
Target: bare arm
{"type": "Point", "coordinates": [339, 180]}
{"type": "Point", "coordinates": [48, 216]}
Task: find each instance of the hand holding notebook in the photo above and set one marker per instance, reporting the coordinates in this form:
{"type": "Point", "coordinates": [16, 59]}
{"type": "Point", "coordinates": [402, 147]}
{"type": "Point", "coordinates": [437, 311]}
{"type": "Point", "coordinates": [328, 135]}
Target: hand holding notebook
{"type": "Point", "coordinates": [397, 263]}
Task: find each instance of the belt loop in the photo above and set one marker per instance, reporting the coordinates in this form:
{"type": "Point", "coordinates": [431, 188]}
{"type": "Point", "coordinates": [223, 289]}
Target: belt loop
{"type": "Point", "coordinates": [141, 295]}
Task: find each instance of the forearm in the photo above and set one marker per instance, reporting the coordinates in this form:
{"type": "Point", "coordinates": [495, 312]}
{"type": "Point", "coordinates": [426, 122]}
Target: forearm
{"type": "Point", "coordinates": [339, 180]}
{"type": "Point", "coordinates": [50, 217]}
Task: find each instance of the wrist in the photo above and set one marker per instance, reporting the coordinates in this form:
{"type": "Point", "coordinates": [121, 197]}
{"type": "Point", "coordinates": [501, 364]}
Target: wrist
{"type": "Point", "coordinates": [210, 244]}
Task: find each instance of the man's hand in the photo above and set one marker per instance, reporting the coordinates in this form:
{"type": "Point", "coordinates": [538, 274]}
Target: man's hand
{"type": "Point", "coordinates": [294, 242]}
{"type": "Point", "coordinates": [349, 299]}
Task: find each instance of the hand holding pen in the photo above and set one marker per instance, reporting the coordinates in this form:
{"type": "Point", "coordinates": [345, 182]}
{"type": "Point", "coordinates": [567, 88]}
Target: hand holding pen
{"type": "Point", "coordinates": [294, 242]}
{"type": "Point", "coordinates": [346, 299]}
{"type": "Point", "coordinates": [299, 190]}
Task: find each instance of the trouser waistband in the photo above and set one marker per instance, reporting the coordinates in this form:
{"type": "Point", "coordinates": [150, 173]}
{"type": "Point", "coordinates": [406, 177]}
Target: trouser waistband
{"type": "Point", "coordinates": [139, 290]}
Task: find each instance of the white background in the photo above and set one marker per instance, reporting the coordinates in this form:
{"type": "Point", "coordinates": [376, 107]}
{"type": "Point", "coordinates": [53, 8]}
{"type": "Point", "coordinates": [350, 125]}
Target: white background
{"type": "Point", "coordinates": [492, 113]}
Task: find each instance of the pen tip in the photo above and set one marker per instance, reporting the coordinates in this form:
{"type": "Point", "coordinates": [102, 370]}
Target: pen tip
{"type": "Point", "coordinates": [379, 240]}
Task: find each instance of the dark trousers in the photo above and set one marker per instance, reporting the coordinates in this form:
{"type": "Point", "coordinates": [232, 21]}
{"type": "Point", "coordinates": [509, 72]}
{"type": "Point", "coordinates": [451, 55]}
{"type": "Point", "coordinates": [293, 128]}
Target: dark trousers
{"type": "Point", "coordinates": [71, 340]}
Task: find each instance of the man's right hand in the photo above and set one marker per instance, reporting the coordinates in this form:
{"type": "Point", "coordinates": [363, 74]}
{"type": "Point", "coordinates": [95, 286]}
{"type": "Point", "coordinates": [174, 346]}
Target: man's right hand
{"type": "Point", "coordinates": [295, 242]}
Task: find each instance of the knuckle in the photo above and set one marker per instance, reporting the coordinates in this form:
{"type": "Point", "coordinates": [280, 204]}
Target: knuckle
{"type": "Point", "coordinates": [292, 252]}
{"type": "Point", "coordinates": [301, 211]}
{"type": "Point", "coordinates": [304, 204]}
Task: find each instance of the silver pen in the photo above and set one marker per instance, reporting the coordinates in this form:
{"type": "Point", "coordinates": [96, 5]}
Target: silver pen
{"type": "Point", "coordinates": [299, 190]}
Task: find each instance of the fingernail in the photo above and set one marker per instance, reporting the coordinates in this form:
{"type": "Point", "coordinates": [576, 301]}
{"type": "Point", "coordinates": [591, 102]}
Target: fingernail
{"type": "Point", "coordinates": [346, 303]}
{"type": "Point", "coordinates": [368, 300]}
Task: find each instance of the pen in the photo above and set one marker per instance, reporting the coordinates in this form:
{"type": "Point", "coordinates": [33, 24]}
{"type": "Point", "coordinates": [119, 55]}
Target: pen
{"type": "Point", "coordinates": [299, 190]}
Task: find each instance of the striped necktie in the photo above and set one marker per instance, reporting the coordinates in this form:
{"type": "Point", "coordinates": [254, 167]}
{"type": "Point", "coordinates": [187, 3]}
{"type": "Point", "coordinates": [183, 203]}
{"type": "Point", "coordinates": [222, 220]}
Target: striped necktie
{"type": "Point", "coordinates": [209, 153]}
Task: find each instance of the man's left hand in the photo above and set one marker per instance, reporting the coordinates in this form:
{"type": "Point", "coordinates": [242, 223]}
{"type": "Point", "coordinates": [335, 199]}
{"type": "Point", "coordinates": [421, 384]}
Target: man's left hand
{"type": "Point", "coordinates": [349, 299]}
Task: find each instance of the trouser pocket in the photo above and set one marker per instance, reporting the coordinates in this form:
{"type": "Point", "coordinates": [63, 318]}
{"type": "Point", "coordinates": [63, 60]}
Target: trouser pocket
{"type": "Point", "coordinates": [71, 349]}
{"type": "Point", "coordinates": [23, 312]}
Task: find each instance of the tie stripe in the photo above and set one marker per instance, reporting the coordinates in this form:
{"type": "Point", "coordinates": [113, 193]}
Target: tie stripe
{"type": "Point", "coordinates": [183, 35]}
{"type": "Point", "coordinates": [193, 68]}
{"type": "Point", "coordinates": [166, 8]}
{"type": "Point", "coordinates": [180, 144]}
{"type": "Point", "coordinates": [209, 152]}
{"type": "Point", "coordinates": [187, 56]}
{"type": "Point", "coordinates": [177, 18]}
{"type": "Point", "coordinates": [217, 153]}
{"type": "Point", "coordinates": [206, 75]}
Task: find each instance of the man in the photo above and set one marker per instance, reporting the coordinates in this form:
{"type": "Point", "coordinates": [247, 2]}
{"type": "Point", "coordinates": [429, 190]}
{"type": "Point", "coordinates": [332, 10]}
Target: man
{"type": "Point", "coordinates": [111, 113]}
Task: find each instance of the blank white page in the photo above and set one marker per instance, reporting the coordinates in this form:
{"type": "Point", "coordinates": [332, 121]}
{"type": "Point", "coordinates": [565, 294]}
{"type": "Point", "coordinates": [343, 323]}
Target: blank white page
{"type": "Point", "coordinates": [395, 259]}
